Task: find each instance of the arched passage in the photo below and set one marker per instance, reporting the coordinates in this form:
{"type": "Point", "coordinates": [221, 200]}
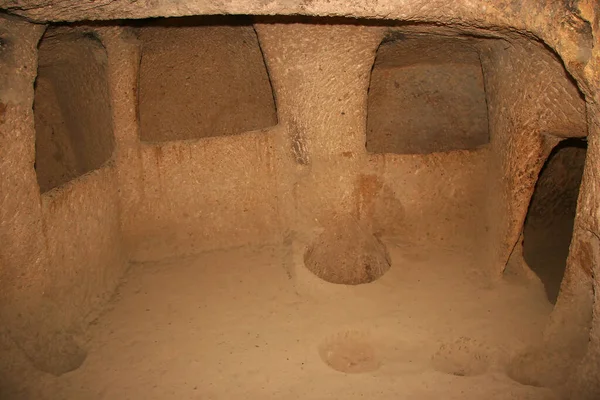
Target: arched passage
{"type": "Point", "coordinates": [549, 223]}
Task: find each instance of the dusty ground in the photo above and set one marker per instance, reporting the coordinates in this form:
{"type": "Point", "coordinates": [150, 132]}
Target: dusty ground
{"type": "Point", "coordinates": [237, 324]}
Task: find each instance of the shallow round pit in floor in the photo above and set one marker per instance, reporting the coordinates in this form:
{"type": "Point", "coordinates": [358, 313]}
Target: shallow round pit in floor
{"type": "Point", "coordinates": [463, 357]}
{"type": "Point", "coordinates": [540, 367]}
{"type": "Point", "coordinates": [525, 369]}
{"type": "Point", "coordinates": [350, 352]}
{"type": "Point", "coordinates": [346, 253]}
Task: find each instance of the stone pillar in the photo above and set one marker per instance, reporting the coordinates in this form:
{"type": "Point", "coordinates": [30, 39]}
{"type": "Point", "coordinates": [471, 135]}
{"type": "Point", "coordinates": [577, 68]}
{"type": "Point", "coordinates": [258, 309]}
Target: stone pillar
{"type": "Point", "coordinates": [531, 105]}
{"type": "Point", "coordinates": [569, 354]}
{"type": "Point", "coordinates": [320, 74]}
{"type": "Point", "coordinates": [576, 317]}
{"type": "Point", "coordinates": [26, 313]}
{"type": "Point", "coordinates": [124, 53]}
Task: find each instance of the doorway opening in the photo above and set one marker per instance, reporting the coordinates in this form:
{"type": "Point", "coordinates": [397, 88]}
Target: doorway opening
{"type": "Point", "coordinates": [549, 222]}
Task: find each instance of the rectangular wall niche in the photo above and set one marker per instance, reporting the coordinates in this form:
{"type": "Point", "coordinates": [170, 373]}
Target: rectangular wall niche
{"type": "Point", "coordinates": [73, 119]}
{"type": "Point", "coordinates": [426, 95]}
{"type": "Point", "coordinates": [201, 77]}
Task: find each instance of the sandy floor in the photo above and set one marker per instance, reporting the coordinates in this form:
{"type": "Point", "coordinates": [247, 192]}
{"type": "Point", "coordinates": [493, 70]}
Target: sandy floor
{"type": "Point", "coordinates": [236, 324]}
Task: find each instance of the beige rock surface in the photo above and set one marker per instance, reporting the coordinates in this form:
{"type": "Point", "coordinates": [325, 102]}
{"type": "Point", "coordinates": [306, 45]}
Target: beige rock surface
{"type": "Point", "coordinates": [199, 146]}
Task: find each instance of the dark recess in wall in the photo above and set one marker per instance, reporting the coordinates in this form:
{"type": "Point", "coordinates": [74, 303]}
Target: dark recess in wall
{"type": "Point", "coordinates": [202, 77]}
{"type": "Point", "coordinates": [426, 95]}
{"type": "Point", "coordinates": [549, 223]}
{"type": "Point", "coordinates": [73, 119]}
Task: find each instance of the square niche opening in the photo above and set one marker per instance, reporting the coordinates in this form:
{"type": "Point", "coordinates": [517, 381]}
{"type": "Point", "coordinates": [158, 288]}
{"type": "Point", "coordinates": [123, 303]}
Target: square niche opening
{"type": "Point", "coordinates": [73, 117]}
{"type": "Point", "coordinates": [426, 95]}
{"type": "Point", "coordinates": [202, 77]}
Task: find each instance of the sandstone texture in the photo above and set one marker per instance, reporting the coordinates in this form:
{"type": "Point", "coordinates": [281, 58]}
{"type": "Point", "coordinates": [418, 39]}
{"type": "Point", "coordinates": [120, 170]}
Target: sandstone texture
{"type": "Point", "coordinates": [339, 133]}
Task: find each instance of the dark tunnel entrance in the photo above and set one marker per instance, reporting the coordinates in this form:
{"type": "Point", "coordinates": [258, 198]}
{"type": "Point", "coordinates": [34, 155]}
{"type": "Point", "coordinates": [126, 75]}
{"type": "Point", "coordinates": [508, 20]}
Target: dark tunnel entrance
{"type": "Point", "coordinates": [549, 223]}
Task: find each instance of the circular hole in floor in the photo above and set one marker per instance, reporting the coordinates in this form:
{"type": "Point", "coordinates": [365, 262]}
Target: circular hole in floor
{"type": "Point", "coordinates": [540, 367]}
{"type": "Point", "coordinates": [350, 352]}
{"type": "Point", "coordinates": [346, 253]}
{"type": "Point", "coordinates": [463, 357]}
{"type": "Point", "coordinates": [525, 369]}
